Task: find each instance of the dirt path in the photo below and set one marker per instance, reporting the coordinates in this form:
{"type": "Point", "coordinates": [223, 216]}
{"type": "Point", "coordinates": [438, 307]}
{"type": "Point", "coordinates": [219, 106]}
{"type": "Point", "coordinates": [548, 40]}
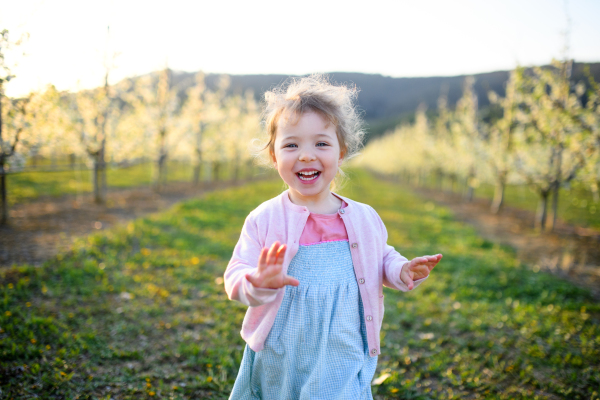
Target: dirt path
{"type": "Point", "coordinates": [570, 252]}
{"type": "Point", "coordinates": [40, 229]}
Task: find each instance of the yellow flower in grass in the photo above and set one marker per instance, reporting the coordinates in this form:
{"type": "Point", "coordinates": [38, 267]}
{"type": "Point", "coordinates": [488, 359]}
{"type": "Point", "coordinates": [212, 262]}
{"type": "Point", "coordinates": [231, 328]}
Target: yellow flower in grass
{"type": "Point", "coordinates": [209, 379]}
{"type": "Point", "coordinates": [28, 304]}
{"type": "Point", "coordinates": [33, 341]}
{"type": "Point", "coordinates": [151, 393]}
{"type": "Point", "coordinates": [8, 313]}
{"type": "Point", "coordinates": [145, 251]}
{"type": "Point", "coordinates": [394, 390]}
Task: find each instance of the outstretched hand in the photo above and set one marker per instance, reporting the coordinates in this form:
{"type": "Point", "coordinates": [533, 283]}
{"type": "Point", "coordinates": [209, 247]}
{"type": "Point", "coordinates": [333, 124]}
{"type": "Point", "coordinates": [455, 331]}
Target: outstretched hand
{"type": "Point", "coordinates": [269, 274]}
{"type": "Point", "coordinates": [418, 268]}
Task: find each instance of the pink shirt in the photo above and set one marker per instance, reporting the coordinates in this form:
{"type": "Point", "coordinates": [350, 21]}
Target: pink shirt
{"type": "Point", "coordinates": [321, 228]}
{"type": "Point", "coordinates": [375, 263]}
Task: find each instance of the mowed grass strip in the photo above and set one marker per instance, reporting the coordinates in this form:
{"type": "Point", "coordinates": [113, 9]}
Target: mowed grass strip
{"type": "Point", "coordinates": [139, 311]}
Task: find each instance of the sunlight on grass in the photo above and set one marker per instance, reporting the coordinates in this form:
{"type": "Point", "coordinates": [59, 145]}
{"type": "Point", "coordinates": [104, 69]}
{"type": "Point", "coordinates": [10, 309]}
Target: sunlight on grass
{"type": "Point", "coordinates": [139, 311]}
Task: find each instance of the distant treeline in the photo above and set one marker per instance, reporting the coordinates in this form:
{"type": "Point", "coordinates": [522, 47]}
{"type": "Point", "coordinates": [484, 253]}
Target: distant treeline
{"type": "Point", "coordinates": [389, 101]}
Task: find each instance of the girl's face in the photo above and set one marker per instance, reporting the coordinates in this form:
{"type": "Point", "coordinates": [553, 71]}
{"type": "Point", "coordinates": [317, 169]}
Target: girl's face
{"type": "Point", "coordinates": [307, 156]}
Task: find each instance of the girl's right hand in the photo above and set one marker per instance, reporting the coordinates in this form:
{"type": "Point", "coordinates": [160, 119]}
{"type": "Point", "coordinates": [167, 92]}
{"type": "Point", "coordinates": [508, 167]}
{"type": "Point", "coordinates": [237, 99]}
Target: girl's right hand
{"type": "Point", "coordinates": [269, 274]}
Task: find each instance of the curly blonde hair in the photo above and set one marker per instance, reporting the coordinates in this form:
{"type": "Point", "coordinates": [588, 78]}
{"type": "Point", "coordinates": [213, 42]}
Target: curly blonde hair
{"type": "Point", "coordinates": [335, 103]}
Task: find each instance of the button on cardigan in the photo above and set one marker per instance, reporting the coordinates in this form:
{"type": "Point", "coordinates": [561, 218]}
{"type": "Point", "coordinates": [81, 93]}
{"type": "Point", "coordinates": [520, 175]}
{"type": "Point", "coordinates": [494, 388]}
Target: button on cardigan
{"type": "Point", "coordinates": [376, 264]}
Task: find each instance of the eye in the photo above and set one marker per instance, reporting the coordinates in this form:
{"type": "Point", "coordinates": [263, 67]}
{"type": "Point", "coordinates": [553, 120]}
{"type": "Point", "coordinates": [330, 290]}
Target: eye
{"type": "Point", "coordinates": [290, 145]}
{"type": "Point", "coordinates": [321, 144]}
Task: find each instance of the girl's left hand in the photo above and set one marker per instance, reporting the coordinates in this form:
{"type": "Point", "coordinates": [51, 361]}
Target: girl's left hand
{"type": "Point", "coordinates": [418, 268]}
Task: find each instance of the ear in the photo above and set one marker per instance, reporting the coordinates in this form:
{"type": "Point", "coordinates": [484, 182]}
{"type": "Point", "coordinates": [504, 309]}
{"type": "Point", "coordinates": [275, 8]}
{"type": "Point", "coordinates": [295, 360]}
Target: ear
{"type": "Point", "coordinates": [273, 159]}
{"type": "Point", "coordinates": [341, 160]}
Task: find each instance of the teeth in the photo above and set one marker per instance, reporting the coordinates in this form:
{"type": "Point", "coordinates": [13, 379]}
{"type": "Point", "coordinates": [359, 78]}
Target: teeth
{"type": "Point", "coordinates": [308, 176]}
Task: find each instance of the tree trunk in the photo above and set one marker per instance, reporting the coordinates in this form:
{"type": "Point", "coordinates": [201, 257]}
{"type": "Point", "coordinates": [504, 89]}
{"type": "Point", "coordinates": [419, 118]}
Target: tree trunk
{"type": "Point", "coordinates": [160, 162]}
{"type": "Point", "coordinates": [197, 172]}
{"type": "Point", "coordinates": [236, 170]}
{"type": "Point", "coordinates": [498, 201]}
{"type": "Point", "coordinates": [557, 184]}
{"type": "Point", "coordinates": [96, 179]}
{"type": "Point", "coordinates": [198, 165]}
{"type": "Point", "coordinates": [103, 184]}
{"type": "Point", "coordinates": [99, 178]}
{"type": "Point", "coordinates": [453, 180]}
{"type": "Point", "coordinates": [542, 213]}
{"type": "Point", "coordinates": [471, 184]}
{"type": "Point", "coordinates": [440, 179]}
{"type": "Point", "coordinates": [4, 219]}
{"type": "Point", "coordinates": [216, 167]}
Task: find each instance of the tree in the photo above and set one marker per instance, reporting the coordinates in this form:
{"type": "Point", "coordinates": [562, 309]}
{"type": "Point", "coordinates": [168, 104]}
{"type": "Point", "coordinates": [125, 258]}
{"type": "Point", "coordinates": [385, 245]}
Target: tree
{"type": "Point", "coordinates": [556, 140]}
{"type": "Point", "coordinates": [93, 109]}
{"type": "Point", "coordinates": [12, 117]}
{"type": "Point", "coordinates": [202, 110]}
{"type": "Point", "coordinates": [591, 172]}
{"type": "Point", "coordinates": [241, 124]}
{"type": "Point", "coordinates": [154, 103]}
{"type": "Point", "coordinates": [499, 145]}
{"type": "Point", "coordinates": [468, 132]}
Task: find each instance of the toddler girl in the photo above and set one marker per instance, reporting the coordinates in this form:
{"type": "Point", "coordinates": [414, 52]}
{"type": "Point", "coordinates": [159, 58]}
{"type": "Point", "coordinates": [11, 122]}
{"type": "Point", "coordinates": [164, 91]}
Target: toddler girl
{"type": "Point", "coordinates": [310, 263]}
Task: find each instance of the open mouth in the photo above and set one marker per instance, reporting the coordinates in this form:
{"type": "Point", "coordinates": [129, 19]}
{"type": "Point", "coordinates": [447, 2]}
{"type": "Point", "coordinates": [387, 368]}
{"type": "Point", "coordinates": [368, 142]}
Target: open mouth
{"type": "Point", "coordinates": [308, 175]}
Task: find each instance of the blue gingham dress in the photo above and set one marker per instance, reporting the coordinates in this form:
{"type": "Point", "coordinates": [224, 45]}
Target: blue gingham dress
{"type": "Point", "coordinates": [317, 347]}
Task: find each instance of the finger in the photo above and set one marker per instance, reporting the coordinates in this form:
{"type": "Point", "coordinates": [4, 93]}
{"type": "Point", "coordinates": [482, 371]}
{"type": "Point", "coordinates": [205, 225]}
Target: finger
{"type": "Point", "coordinates": [272, 256]}
{"type": "Point", "coordinates": [409, 282]}
{"type": "Point", "coordinates": [251, 279]}
{"type": "Point", "coordinates": [262, 259]}
{"type": "Point", "coordinates": [280, 254]}
{"type": "Point", "coordinates": [419, 261]}
{"type": "Point", "coordinates": [288, 280]}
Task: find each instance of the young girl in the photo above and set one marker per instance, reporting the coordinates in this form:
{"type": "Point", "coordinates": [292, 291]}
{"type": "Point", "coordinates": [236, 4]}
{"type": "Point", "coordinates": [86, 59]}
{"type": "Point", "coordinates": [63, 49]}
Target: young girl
{"type": "Point", "coordinates": [310, 263]}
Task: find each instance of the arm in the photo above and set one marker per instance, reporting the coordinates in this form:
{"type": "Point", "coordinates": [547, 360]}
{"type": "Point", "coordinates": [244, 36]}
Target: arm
{"type": "Point", "coordinates": [396, 267]}
{"type": "Point", "coordinates": [245, 261]}
{"type": "Point", "coordinates": [255, 274]}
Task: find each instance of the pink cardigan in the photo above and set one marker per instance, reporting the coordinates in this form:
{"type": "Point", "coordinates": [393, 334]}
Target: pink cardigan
{"type": "Point", "coordinates": [375, 263]}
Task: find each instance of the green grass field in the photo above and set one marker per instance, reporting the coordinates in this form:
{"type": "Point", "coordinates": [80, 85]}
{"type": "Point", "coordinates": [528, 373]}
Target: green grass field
{"type": "Point", "coordinates": [576, 204]}
{"type": "Point", "coordinates": [27, 186]}
{"type": "Point", "coordinates": [139, 312]}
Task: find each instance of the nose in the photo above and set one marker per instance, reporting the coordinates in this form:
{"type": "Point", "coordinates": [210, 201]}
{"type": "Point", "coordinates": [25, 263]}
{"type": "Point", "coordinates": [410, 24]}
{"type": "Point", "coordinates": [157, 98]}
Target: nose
{"type": "Point", "coordinates": [307, 155]}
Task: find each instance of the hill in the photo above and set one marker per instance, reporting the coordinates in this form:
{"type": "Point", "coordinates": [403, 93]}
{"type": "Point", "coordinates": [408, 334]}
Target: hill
{"type": "Point", "coordinates": [387, 100]}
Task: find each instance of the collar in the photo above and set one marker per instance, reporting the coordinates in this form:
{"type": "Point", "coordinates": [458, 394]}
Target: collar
{"type": "Point", "coordinates": [287, 203]}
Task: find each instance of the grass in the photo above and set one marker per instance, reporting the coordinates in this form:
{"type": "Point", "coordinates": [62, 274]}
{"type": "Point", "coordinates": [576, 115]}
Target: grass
{"type": "Point", "coordinates": [576, 204]}
{"type": "Point", "coordinates": [27, 186]}
{"type": "Point", "coordinates": [139, 311]}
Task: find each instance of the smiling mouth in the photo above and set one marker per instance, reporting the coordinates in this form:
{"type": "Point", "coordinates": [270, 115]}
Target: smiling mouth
{"type": "Point", "coordinates": [308, 176]}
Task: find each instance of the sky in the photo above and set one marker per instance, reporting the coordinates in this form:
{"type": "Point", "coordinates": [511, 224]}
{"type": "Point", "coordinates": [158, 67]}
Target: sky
{"type": "Point", "coordinates": [69, 40]}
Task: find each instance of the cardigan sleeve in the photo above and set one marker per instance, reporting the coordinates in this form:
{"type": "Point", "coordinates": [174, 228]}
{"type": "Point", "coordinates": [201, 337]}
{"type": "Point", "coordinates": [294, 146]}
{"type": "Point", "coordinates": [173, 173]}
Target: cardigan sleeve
{"type": "Point", "coordinates": [245, 261]}
{"type": "Point", "coordinates": [393, 262]}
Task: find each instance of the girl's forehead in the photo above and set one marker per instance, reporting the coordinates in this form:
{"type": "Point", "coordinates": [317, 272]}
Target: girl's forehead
{"type": "Point", "coordinates": [305, 122]}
